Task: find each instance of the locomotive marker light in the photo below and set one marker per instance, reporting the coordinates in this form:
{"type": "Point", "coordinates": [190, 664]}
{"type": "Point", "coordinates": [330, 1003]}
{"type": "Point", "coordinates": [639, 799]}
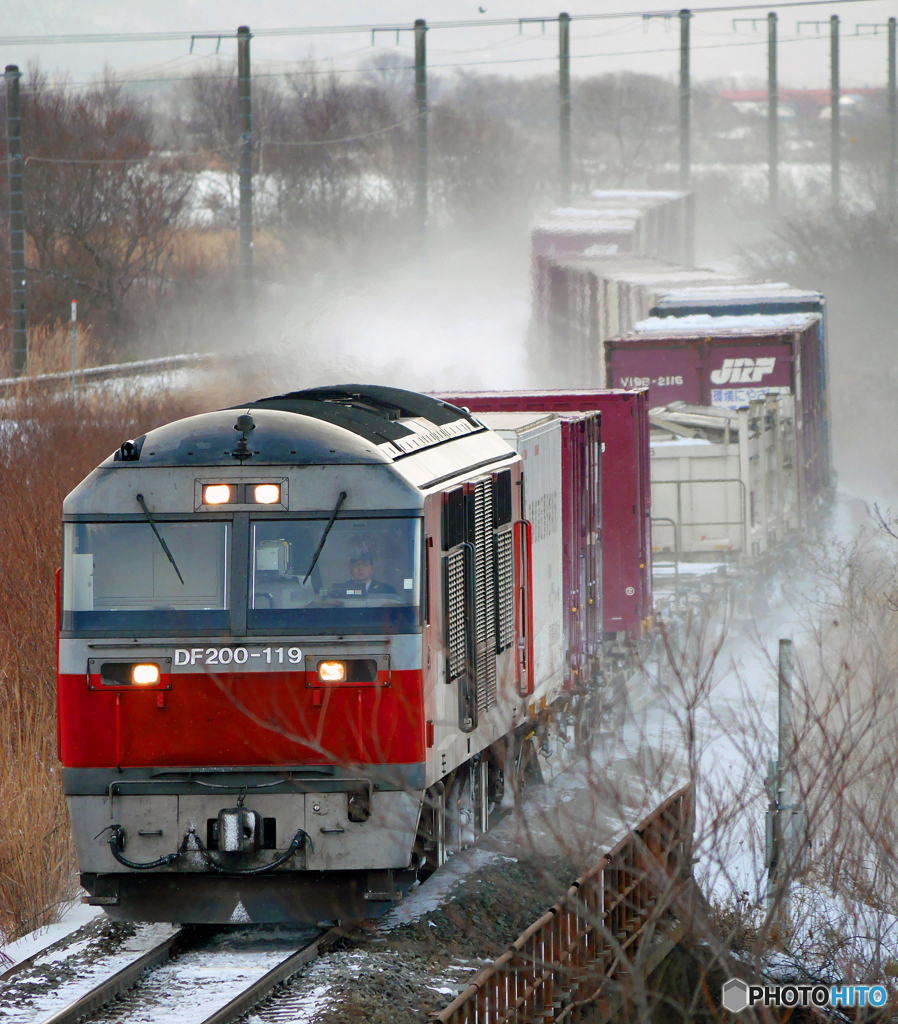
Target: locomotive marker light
{"type": "Point", "coordinates": [217, 494]}
{"type": "Point", "coordinates": [145, 675]}
{"type": "Point", "coordinates": [332, 671]}
{"type": "Point", "coordinates": [267, 494]}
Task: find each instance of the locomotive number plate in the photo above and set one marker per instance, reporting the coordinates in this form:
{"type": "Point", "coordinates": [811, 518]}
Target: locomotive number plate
{"type": "Point", "coordinates": [249, 659]}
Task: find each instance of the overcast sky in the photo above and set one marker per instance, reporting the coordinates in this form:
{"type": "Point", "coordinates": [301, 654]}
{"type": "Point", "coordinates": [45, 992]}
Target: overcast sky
{"type": "Point", "coordinates": [720, 48]}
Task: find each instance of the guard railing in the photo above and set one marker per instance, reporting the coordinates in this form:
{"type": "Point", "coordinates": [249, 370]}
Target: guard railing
{"type": "Point", "coordinates": [558, 969]}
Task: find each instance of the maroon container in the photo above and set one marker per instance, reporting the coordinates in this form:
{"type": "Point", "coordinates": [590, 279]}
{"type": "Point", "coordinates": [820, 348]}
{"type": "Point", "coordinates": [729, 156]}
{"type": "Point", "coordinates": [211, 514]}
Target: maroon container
{"type": "Point", "coordinates": [728, 361]}
{"type": "Point", "coordinates": [626, 491]}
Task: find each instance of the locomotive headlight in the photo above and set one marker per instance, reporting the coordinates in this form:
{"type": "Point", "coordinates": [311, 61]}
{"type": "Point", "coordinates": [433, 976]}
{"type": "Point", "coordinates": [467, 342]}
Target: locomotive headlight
{"type": "Point", "coordinates": [267, 494]}
{"type": "Point", "coordinates": [217, 494]}
{"type": "Point", "coordinates": [332, 671]}
{"type": "Point", "coordinates": [145, 675]}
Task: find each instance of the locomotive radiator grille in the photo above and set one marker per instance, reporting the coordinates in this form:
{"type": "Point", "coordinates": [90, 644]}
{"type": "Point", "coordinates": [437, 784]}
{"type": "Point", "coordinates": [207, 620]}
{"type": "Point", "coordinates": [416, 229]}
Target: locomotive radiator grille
{"type": "Point", "coordinates": [485, 596]}
{"type": "Point", "coordinates": [486, 674]}
{"type": "Point", "coordinates": [505, 580]}
{"type": "Point", "coordinates": [455, 569]}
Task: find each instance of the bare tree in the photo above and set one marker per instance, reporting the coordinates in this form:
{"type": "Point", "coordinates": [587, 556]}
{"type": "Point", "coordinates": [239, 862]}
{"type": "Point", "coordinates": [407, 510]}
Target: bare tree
{"type": "Point", "coordinates": [624, 123]}
{"type": "Point", "coordinates": [101, 210]}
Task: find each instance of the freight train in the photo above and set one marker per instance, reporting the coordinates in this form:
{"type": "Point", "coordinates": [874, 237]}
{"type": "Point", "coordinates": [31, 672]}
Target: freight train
{"type": "Point", "coordinates": [736, 375]}
{"type": "Point", "coordinates": [307, 643]}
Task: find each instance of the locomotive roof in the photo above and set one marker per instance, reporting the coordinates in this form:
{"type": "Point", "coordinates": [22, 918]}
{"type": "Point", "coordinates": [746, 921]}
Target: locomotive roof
{"type": "Point", "coordinates": [344, 424]}
{"type": "Point", "coordinates": [407, 420]}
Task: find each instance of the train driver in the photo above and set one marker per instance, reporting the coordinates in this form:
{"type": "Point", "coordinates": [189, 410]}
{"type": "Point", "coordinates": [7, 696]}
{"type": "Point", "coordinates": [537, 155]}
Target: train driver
{"type": "Point", "coordinates": [363, 583]}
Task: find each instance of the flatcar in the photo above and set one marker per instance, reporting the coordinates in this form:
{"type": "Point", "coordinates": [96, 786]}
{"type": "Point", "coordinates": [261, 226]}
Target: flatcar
{"type": "Point", "coordinates": [296, 655]}
{"type": "Point", "coordinates": [699, 338]}
{"type": "Point", "coordinates": [729, 361]}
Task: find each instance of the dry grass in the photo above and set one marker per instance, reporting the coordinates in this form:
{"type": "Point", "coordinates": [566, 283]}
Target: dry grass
{"type": "Point", "coordinates": [47, 444]}
{"type": "Point", "coordinates": [50, 349]}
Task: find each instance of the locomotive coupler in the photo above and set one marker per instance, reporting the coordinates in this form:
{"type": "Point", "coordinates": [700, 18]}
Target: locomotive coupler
{"type": "Point", "coordinates": [238, 830]}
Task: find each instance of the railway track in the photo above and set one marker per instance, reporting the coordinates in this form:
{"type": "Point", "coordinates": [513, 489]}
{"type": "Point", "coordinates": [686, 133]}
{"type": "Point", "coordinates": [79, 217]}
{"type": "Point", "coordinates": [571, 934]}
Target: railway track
{"type": "Point", "coordinates": [103, 974]}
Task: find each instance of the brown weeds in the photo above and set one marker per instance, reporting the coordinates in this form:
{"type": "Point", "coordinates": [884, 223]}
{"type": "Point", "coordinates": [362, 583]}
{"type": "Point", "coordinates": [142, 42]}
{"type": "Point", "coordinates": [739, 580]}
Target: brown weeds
{"type": "Point", "coordinates": [48, 443]}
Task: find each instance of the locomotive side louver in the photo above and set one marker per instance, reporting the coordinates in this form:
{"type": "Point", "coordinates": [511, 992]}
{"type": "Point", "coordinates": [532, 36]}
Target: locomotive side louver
{"type": "Point", "coordinates": [505, 582]}
{"type": "Point", "coordinates": [484, 596]}
{"type": "Point", "coordinates": [455, 611]}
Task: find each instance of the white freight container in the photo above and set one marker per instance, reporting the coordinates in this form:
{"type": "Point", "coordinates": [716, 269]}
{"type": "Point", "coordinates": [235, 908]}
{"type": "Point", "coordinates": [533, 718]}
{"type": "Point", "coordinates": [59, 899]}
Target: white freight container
{"type": "Point", "coordinates": [537, 439]}
{"type": "Point", "coordinates": [724, 482]}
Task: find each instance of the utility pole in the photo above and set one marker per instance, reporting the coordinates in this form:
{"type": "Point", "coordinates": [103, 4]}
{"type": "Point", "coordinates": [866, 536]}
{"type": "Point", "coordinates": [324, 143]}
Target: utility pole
{"type": "Point", "coordinates": [421, 175]}
{"type": "Point", "coordinates": [685, 102]}
{"type": "Point", "coordinates": [835, 92]}
{"type": "Point", "coordinates": [892, 176]}
{"type": "Point", "coordinates": [786, 823]}
{"type": "Point", "coordinates": [564, 110]}
{"type": "Point", "coordinates": [245, 114]}
{"type": "Point", "coordinates": [16, 220]}
{"type": "Point", "coordinates": [772, 115]}
{"type": "Point", "coordinates": [74, 342]}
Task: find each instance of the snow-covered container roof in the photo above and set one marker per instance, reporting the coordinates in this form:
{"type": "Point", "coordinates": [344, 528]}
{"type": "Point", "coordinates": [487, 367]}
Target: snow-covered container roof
{"type": "Point", "coordinates": [705, 323]}
{"type": "Point", "coordinates": [776, 289]}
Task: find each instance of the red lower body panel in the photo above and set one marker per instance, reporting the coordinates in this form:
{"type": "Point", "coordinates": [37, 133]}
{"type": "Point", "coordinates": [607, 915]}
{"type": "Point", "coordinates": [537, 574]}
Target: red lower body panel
{"type": "Point", "coordinates": [241, 719]}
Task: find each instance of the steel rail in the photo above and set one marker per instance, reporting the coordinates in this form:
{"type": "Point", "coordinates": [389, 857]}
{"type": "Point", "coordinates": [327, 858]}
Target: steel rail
{"type": "Point", "coordinates": [120, 982]}
{"type": "Point", "coordinates": [559, 963]}
{"type": "Point", "coordinates": [241, 1004]}
{"type": "Point", "coordinates": [283, 972]}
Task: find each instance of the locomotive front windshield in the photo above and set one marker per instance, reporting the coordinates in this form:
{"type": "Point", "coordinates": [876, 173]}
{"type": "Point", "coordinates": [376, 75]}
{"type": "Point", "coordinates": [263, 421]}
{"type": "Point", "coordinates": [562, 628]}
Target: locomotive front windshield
{"type": "Point", "coordinates": [366, 575]}
{"type": "Point", "coordinates": [124, 577]}
{"type": "Point", "coordinates": [120, 576]}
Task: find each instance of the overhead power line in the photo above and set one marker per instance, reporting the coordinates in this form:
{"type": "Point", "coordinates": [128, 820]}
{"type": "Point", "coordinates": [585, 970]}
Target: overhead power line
{"type": "Point", "coordinates": [328, 71]}
{"type": "Point", "coordinates": [312, 30]}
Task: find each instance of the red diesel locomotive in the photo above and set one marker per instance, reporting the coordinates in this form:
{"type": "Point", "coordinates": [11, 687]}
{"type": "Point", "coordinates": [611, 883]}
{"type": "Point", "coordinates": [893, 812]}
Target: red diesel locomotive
{"type": "Point", "coordinates": [298, 652]}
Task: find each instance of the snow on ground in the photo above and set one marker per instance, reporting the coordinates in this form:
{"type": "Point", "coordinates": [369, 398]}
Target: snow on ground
{"type": "Point", "coordinates": [72, 918]}
{"type": "Point", "coordinates": [732, 713]}
{"type": "Point", "coordinates": [57, 979]}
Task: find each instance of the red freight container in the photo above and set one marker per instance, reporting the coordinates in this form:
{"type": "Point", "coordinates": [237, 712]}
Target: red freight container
{"type": "Point", "coordinates": [626, 492]}
{"type": "Point", "coordinates": [727, 361]}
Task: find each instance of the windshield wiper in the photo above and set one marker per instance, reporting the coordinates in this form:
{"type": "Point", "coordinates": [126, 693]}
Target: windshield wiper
{"type": "Point", "coordinates": [152, 523]}
{"type": "Point", "coordinates": [327, 530]}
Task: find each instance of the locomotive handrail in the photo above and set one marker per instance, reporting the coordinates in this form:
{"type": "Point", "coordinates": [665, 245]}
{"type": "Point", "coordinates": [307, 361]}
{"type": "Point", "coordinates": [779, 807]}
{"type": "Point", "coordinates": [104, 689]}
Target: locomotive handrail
{"type": "Point", "coordinates": [526, 675]}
